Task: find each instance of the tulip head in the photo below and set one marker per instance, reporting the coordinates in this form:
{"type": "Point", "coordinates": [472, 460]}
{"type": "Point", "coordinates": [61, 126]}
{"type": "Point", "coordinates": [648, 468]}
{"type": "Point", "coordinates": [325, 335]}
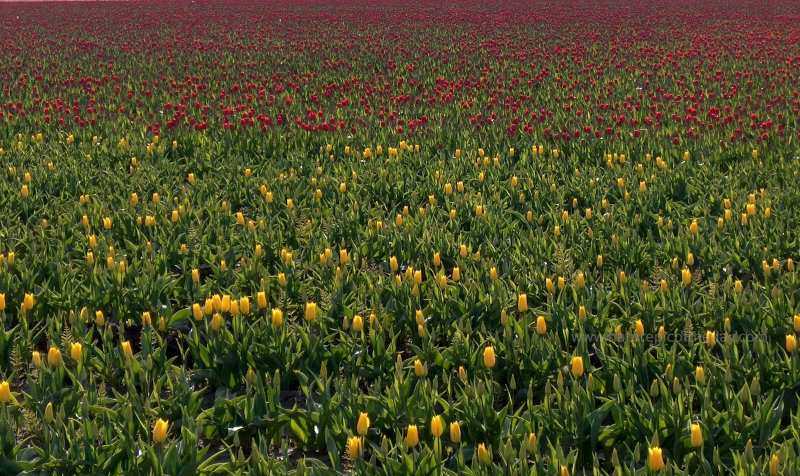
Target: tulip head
{"type": "Point", "coordinates": [160, 430]}
{"type": "Point", "coordinates": [412, 437]}
{"type": "Point", "coordinates": [363, 424]}
{"type": "Point", "coordinates": [5, 392]}
{"type": "Point", "coordinates": [522, 303]}
{"type": "Point", "coordinates": [76, 351]}
{"type": "Point", "coordinates": [696, 435]}
{"type": "Point", "coordinates": [354, 447]}
{"type": "Point", "coordinates": [489, 357]}
{"type": "Point", "coordinates": [437, 426]}
{"type": "Point", "coordinates": [577, 366]}
{"type": "Point", "coordinates": [655, 459]}
{"type": "Point", "coordinates": [455, 432]}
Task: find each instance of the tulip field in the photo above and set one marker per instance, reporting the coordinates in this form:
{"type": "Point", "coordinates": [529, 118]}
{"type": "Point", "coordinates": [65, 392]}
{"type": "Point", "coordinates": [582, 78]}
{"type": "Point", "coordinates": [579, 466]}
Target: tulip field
{"type": "Point", "coordinates": [387, 237]}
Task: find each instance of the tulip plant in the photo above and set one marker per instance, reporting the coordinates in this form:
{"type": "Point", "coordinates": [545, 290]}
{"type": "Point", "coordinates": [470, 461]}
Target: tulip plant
{"type": "Point", "coordinates": [384, 237]}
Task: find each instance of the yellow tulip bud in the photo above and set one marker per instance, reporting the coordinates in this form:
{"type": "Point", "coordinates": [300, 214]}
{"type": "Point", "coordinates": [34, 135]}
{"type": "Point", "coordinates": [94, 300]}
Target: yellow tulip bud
{"type": "Point", "coordinates": [711, 338]}
{"type": "Point", "coordinates": [419, 369]}
{"type": "Point", "coordinates": [541, 325]}
{"type": "Point", "coordinates": [577, 366]}
{"type": "Point", "coordinates": [127, 351]}
{"type": "Point", "coordinates": [216, 321]}
{"type": "Point", "coordinates": [160, 430]}
{"type": "Point", "coordinates": [27, 301]}
{"type": "Point", "coordinates": [696, 435]}
{"type": "Point", "coordinates": [412, 437]}
{"type": "Point", "coordinates": [354, 447]}
{"type": "Point", "coordinates": [76, 351]}
{"type": "Point", "coordinates": [700, 375]}
{"type": "Point", "coordinates": [455, 432]}
{"type": "Point", "coordinates": [363, 424]}
{"type": "Point", "coordinates": [5, 392]}
{"type": "Point", "coordinates": [489, 357]}
{"type": "Point", "coordinates": [48, 413]}
{"type": "Point", "coordinates": [483, 454]}
{"type": "Point", "coordinates": [437, 426]}
{"type": "Point", "coordinates": [311, 311]}
{"type": "Point", "coordinates": [54, 357]}
{"type": "Point", "coordinates": [655, 459]}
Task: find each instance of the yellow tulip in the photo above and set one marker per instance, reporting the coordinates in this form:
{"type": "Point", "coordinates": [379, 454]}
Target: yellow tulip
{"type": "Point", "coordinates": [711, 338]}
{"type": "Point", "coordinates": [354, 447]}
{"type": "Point", "coordinates": [127, 351]}
{"type": "Point", "coordinates": [455, 432]}
{"type": "Point", "coordinates": [358, 323]}
{"type": "Point", "coordinates": [437, 426]}
{"type": "Point", "coordinates": [791, 343]}
{"type": "Point", "coordinates": [639, 331]}
{"type": "Point", "coordinates": [577, 366]}
{"type": "Point", "coordinates": [76, 351]}
{"type": "Point", "coordinates": [412, 436]}
{"type": "Point", "coordinates": [483, 454]}
{"type": "Point", "coordinates": [419, 369]}
{"type": "Point", "coordinates": [261, 297]}
{"type": "Point", "coordinates": [489, 357]}
{"type": "Point", "coordinates": [541, 325]}
{"type": "Point", "coordinates": [160, 430]}
{"type": "Point", "coordinates": [656, 460]}
{"type": "Point", "coordinates": [363, 424]}
{"type": "Point", "coordinates": [27, 300]}
{"type": "Point", "coordinates": [686, 277]}
{"type": "Point", "coordinates": [5, 392]}
{"type": "Point", "coordinates": [311, 311]}
{"type": "Point", "coordinates": [697, 435]}
{"type": "Point", "coordinates": [54, 357]}
{"type": "Point", "coordinates": [700, 375]}
{"type": "Point", "coordinates": [216, 321]}
{"type": "Point", "coordinates": [533, 444]}
{"type": "Point", "coordinates": [522, 303]}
